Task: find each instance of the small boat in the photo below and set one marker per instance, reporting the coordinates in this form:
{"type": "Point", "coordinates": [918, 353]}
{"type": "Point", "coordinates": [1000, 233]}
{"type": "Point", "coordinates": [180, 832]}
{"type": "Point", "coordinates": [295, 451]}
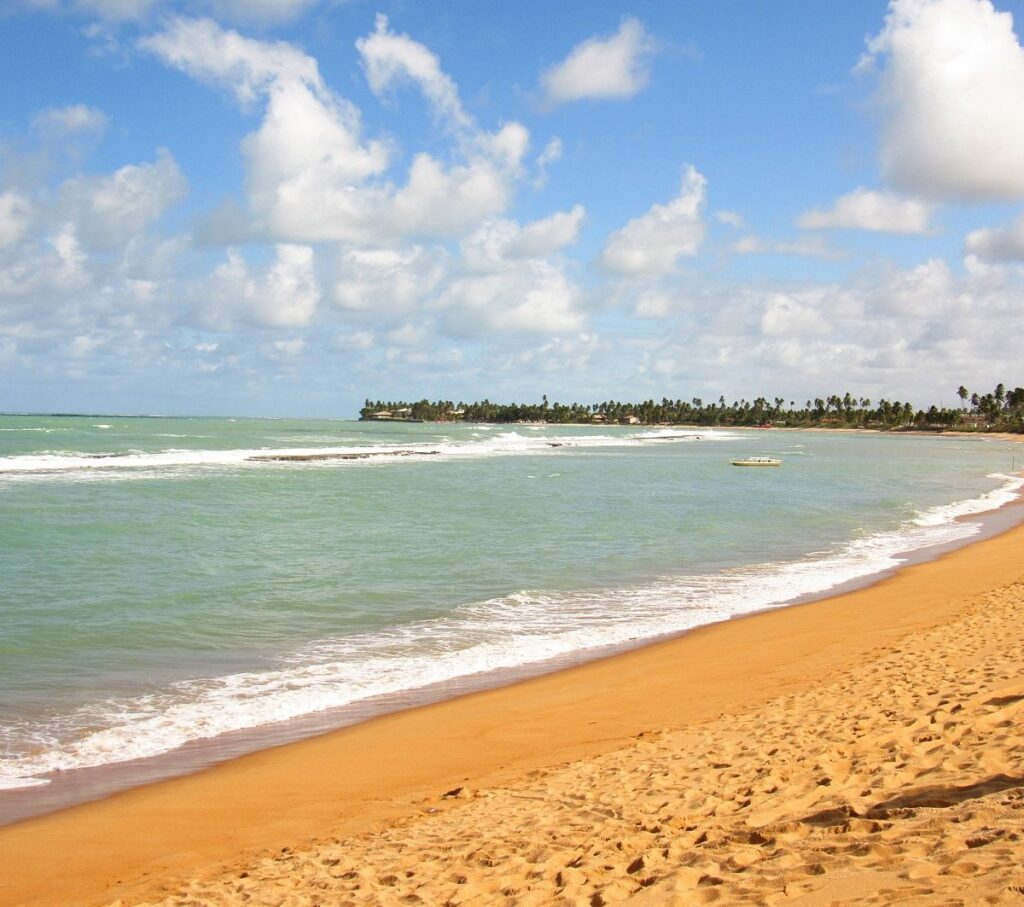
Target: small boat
{"type": "Point", "coordinates": [756, 461]}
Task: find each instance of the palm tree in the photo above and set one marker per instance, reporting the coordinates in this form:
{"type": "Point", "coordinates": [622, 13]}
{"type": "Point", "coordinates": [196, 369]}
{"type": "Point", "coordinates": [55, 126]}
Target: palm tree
{"type": "Point", "coordinates": [963, 394]}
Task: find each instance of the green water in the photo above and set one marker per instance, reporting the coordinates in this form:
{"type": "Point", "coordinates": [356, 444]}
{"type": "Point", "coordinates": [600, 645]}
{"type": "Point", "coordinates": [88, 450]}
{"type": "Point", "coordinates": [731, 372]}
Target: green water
{"type": "Point", "coordinates": [158, 585]}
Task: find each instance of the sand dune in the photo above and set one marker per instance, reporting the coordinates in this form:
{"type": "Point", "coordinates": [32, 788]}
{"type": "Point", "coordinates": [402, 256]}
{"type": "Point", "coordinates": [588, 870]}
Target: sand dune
{"type": "Point", "coordinates": [898, 780]}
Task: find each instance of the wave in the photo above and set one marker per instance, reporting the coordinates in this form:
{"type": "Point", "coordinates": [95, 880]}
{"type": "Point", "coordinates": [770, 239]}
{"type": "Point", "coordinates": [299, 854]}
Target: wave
{"type": "Point", "coordinates": [501, 444]}
{"type": "Point", "coordinates": [524, 628]}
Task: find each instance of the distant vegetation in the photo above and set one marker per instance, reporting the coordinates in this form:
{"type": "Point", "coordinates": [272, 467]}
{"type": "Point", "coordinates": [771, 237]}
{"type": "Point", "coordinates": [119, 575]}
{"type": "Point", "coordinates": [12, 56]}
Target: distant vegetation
{"type": "Point", "coordinates": [1000, 410]}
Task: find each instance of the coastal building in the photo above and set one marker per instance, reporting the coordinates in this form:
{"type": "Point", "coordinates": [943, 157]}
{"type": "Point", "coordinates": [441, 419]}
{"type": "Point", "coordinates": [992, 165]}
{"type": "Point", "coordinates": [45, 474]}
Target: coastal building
{"type": "Point", "coordinates": [629, 420]}
{"type": "Point", "coordinates": [973, 420]}
{"type": "Point", "coordinates": [599, 417]}
{"type": "Point", "coordinates": [382, 414]}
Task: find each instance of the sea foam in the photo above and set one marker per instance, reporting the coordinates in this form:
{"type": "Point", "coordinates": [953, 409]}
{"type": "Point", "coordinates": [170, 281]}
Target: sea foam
{"type": "Point", "coordinates": [526, 627]}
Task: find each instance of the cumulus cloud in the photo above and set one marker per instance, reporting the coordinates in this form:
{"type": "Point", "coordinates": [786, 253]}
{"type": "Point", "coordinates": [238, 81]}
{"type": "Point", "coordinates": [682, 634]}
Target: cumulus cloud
{"type": "Point", "coordinates": [793, 315]}
{"type": "Point", "coordinates": [500, 243]}
{"type": "Point", "coordinates": [355, 340]}
{"type": "Point", "coordinates": [952, 94]}
{"type": "Point", "coordinates": [111, 210]}
{"type": "Point", "coordinates": [15, 216]}
{"type": "Point", "coordinates": [386, 283]}
{"type": "Point", "coordinates": [310, 176]}
{"type": "Point", "coordinates": [865, 209]}
{"type": "Point", "coordinates": [70, 120]}
{"type": "Point", "coordinates": [650, 245]}
{"type": "Point", "coordinates": [512, 280]}
{"type": "Point", "coordinates": [285, 294]}
{"type": "Point", "coordinates": [291, 348]}
{"type": "Point", "coordinates": [989, 244]}
{"type": "Point", "coordinates": [602, 68]}
{"type": "Point", "coordinates": [249, 68]}
{"type": "Point", "coordinates": [881, 331]}
{"type": "Point", "coordinates": [83, 345]}
{"type": "Point", "coordinates": [534, 297]}
{"type": "Point", "coordinates": [389, 58]}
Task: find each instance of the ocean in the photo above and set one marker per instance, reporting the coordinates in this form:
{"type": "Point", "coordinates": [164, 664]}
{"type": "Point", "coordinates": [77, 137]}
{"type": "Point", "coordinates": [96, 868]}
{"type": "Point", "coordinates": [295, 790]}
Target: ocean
{"type": "Point", "coordinates": [204, 587]}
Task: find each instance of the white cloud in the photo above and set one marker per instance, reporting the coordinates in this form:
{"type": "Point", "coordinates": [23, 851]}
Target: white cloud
{"type": "Point", "coordinates": [881, 331]}
{"type": "Point", "coordinates": [75, 118]}
{"type": "Point", "coordinates": [286, 294]}
{"type": "Point", "coordinates": [750, 244]}
{"type": "Point", "coordinates": [552, 152]}
{"type": "Point", "coordinates": [306, 167]}
{"type": "Point", "coordinates": [533, 297]}
{"type": "Point", "coordinates": [509, 282]}
{"type": "Point", "coordinates": [650, 245]}
{"type": "Point", "coordinates": [550, 234]}
{"type": "Point", "coordinates": [953, 99]}
{"type": "Point", "coordinates": [388, 58]}
{"type": "Point", "coordinates": [355, 340]}
{"type": "Point", "coordinates": [615, 67]}
{"type": "Point", "coordinates": [993, 244]}
{"type": "Point", "coordinates": [812, 246]}
{"type": "Point", "coordinates": [53, 266]}
{"type": "Point", "coordinates": [288, 349]}
{"type": "Point", "coordinates": [109, 211]}
{"type": "Point", "coordinates": [865, 209]}
{"type": "Point", "coordinates": [385, 283]}
{"type": "Point", "coordinates": [445, 203]}
{"type": "Point", "coordinates": [793, 315]}
{"type": "Point", "coordinates": [206, 347]}
{"type": "Point", "coordinates": [259, 11]}
{"type": "Point", "coordinates": [15, 216]}
{"type": "Point", "coordinates": [310, 177]}
{"type": "Point", "coordinates": [409, 334]}
{"type": "Point", "coordinates": [71, 270]}
{"type": "Point", "coordinates": [731, 218]}
{"type": "Point", "coordinates": [498, 244]}
{"type": "Point", "coordinates": [116, 10]}
{"type": "Point", "coordinates": [563, 356]}
{"type": "Point", "coordinates": [83, 345]}
{"type": "Point", "coordinates": [919, 292]}
{"type": "Point", "coordinates": [209, 53]}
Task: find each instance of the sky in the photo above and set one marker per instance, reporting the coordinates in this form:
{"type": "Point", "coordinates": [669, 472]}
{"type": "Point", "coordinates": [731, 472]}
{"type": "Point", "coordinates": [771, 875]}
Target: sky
{"type": "Point", "coordinates": [282, 207]}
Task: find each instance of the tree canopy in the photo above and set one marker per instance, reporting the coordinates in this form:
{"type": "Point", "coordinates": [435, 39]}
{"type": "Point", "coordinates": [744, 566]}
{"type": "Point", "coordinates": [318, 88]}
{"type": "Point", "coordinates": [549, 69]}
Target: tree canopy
{"type": "Point", "coordinates": [1000, 410]}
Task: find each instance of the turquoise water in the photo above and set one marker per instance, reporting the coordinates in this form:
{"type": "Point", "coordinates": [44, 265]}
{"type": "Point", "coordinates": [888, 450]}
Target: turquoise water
{"type": "Point", "coordinates": [167, 580]}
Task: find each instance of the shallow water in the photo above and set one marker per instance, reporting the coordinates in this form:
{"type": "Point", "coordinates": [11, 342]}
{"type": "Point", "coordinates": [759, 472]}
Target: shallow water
{"type": "Point", "coordinates": [164, 581]}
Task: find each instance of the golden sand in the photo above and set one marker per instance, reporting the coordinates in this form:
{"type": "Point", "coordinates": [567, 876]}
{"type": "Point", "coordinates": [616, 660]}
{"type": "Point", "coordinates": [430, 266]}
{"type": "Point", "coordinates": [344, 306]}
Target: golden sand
{"type": "Point", "coordinates": [862, 749]}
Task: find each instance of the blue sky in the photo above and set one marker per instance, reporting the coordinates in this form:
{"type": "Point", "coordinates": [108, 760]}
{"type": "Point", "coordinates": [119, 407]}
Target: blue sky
{"type": "Point", "coordinates": [279, 207]}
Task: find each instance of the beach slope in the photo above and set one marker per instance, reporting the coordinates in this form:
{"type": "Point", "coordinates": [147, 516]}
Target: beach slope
{"type": "Point", "coordinates": [865, 748]}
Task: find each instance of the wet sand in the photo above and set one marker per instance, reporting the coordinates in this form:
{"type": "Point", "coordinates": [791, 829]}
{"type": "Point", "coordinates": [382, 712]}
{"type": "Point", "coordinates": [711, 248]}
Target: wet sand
{"type": "Point", "coordinates": [863, 748]}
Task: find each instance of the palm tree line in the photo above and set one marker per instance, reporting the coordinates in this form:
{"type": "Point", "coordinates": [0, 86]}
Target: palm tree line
{"type": "Point", "coordinates": [1000, 410]}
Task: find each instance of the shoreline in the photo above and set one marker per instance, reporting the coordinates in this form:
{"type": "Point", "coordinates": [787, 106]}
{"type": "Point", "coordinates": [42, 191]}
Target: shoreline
{"type": "Point", "coordinates": [394, 767]}
{"type": "Point", "coordinates": [74, 787]}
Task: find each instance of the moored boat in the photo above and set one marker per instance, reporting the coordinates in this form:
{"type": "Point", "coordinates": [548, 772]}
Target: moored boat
{"type": "Point", "coordinates": [756, 461]}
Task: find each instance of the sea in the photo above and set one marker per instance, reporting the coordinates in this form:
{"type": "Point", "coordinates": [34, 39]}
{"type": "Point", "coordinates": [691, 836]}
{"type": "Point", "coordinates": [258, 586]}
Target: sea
{"type": "Point", "coordinates": [176, 591]}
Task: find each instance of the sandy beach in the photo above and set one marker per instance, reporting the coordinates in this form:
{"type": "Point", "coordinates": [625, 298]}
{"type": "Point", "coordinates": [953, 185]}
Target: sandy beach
{"type": "Point", "coordinates": [865, 748]}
